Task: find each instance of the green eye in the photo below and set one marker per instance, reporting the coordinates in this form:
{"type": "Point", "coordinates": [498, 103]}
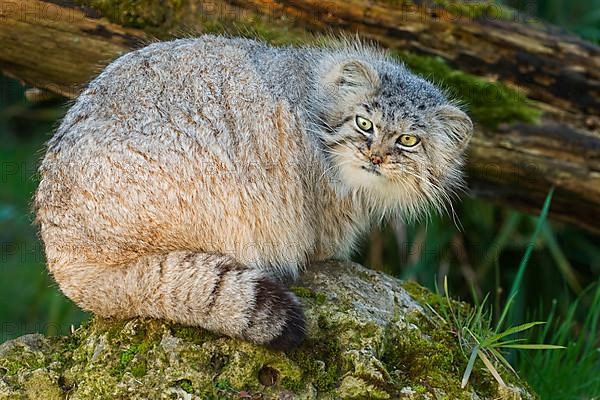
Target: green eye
{"type": "Point", "coordinates": [364, 124]}
{"type": "Point", "coordinates": [408, 140]}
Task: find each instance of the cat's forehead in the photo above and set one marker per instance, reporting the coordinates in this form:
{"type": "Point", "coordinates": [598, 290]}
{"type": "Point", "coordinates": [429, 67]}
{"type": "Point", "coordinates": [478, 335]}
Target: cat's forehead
{"type": "Point", "coordinates": [402, 95]}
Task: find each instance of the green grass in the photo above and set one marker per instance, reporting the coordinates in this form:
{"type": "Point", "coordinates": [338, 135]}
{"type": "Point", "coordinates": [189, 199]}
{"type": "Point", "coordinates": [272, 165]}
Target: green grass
{"type": "Point", "coordinates": [573, 373]}
{"type": "Point", "coordinates": [473, 327]}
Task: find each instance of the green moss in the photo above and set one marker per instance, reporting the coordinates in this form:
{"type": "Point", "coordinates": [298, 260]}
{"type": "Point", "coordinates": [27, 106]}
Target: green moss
{"type": "Point", "coordinates": [418, 360]}
{"type": "Point", "coordinates": [420, 389]}
{"type": "Point", "coordinates": [133, 357]}
{"type": "Point", "coordinates": [128, 355]}
{"type": "Point", "coordinates": [223, 385]}
{"type": "Point", "coordinates": [139, 369]}
{"type": "Point", "coordinates": [292, 385]}
{"type": "Point", "coordinates": [439, 334]}
{"type": "Point", "coordinates": [19, 361]}
{"type": "Point", "coordinates": [192, 334]}
{"type": "Point", "coordinates": [477, 9]}
{"type": "Point", "coordinates": [420, 294]}
{"type": "Point", "coordinates": [488, 103]}
{"type": "Point", "coordinates": [319, 359]}
{"type": "Point", "coordinates": [462, 8]}
{"type": "Point", "coordinates": [11, 367]}
{"type": "Point", "coordinates": [320, 298]}
{"type": "Point", "coordinates": [186, 385]}
{"type": "Point", "coordinates": [138, 13]}
{"type": "Point", "coordinates": [112, 328]}
{"type": "Point", "coordinates": [395, 2]}
{"type": "Point", "coordinates": [40, 385]}
{"type": "Point", "coordinates": [307, 293]}
{"type": "Point", "coordinates": [302, 292]}
{"type": "Point", "coordinates": [357, 388]}
{"type": "Point", "coordinates": [277, 35]}
{"type": "Point", "coordinates": [413, 355]}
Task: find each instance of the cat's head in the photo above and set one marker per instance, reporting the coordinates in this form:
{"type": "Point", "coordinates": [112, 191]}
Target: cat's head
{"type": "Point", "coordinates": [388, 133]}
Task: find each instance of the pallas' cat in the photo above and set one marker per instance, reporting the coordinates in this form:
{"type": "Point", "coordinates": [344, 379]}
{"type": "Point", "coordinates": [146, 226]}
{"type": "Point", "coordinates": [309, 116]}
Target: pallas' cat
{"type": "Point", "coordinates": [192, 178]}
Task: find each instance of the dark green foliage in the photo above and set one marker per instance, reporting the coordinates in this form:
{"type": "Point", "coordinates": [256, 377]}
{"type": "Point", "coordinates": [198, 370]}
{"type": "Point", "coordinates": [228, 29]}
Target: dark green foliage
{"type": "Point", "coordinates": [572, 373]}
{"type": "Point", "coordinates": [502, 104]}
{"type": "Point", "coordinates": [579, 16]}
{"type": "Point", "coordinates": [29, 301]}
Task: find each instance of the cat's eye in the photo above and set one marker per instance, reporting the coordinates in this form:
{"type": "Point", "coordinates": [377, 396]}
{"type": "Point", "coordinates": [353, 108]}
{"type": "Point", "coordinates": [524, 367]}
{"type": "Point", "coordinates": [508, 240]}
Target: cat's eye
{"type": "Point", "coordinates": [364, 124]}
{"type": "Point", "coordinates": [408, 140]}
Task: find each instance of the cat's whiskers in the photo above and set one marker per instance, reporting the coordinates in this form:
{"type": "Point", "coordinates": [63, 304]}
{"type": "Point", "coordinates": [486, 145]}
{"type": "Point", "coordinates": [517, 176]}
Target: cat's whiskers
{"type": "Point", "coordinates": [431, 196]}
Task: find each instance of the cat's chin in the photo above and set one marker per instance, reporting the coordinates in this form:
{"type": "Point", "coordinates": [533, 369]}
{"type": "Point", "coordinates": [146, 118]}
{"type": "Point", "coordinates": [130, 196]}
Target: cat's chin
{"type": "Point", "coordinates": [383, 195]}
{"type": "Point", "coordinates": [362, 176]}
{"type": "Point", "coordinates": [371, 181]}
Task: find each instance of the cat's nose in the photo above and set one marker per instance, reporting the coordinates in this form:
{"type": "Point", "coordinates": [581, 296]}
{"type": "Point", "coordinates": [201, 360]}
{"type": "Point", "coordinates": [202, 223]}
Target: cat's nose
{"type": "Point", "coordinates": [376, 159]}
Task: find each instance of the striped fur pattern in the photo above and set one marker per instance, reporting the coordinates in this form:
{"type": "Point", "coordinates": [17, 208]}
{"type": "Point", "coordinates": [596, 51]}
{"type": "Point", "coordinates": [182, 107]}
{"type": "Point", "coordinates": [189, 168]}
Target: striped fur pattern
{"type": "Point", "coordinates": [192, 178]}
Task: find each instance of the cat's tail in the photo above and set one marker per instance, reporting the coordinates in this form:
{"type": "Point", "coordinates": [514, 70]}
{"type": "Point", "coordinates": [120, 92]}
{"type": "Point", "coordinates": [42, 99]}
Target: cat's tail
{"type": "Point", "coordinates": [211, 291]}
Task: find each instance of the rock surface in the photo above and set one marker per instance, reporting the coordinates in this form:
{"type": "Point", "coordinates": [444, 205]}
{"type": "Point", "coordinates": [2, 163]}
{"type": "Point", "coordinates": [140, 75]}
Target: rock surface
{"type": "Point", "coordinates": [367, 338]}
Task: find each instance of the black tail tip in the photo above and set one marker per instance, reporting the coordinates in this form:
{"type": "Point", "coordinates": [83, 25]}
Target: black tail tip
{"type": "Point", "coordinates": [293, 332]}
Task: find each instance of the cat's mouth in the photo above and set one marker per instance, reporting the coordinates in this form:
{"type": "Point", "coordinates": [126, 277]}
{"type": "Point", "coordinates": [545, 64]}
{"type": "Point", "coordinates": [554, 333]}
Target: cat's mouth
{"type": "Point", "coordinates": [372, 169]}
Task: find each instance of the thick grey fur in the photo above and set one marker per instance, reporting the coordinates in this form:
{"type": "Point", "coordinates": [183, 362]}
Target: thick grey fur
{"type": "Point", "coordinates": [192, 176]}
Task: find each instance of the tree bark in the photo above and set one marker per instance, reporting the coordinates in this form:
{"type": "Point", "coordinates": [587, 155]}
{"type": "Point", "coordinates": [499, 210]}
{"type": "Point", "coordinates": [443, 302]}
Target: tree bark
{"type": "Point", "coordinates": [58, 45]}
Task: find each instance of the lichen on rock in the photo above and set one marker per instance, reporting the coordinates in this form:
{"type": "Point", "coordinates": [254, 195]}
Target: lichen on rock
{"type": "Point", "coordinates": [367, 338]}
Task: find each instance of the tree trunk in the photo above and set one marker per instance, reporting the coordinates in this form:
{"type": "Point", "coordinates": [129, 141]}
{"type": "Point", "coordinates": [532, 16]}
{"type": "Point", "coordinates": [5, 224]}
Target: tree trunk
{"type": "Point", "coordinates": [59, 45]}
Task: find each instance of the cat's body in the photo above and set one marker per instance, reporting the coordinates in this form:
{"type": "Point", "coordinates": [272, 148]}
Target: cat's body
{"type": "Point", "coordinates": [191, 176]}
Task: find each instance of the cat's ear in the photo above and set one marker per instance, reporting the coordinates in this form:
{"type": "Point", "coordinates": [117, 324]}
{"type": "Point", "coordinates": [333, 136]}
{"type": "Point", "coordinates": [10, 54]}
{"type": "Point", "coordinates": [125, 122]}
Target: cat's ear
{"type": "Point", "coordinates": [457, 124]}
{"type": "Point", "coordinates": [352, 76]}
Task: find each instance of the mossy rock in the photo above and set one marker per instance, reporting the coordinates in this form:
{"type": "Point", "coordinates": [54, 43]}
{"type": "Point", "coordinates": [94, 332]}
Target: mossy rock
{"type": "Point", "coordinates": [367, 338]}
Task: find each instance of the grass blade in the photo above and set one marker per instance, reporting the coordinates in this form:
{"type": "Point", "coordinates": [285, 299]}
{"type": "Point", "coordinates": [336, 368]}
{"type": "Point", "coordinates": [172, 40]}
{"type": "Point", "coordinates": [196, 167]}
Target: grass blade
{"type": "Point", "coordinates": [529, 250]}
{"type": "Point", "coordinates": [515, 329]}
{"type": "Point", "coordinates": [503, 360]}
{"type": "Point", "coordinates": [564, 266]}
{"type": "Point", "coordinates": [505, 311]}
{"type": "Point", "coordinates": [490, 367]}
{"type": "Point", "coordinates": [527, 255]}
{"type": "Point", "coordinates": [534, 346]}
{"type": "Point", "coordinates": [503, 344]}
{"type": "Point", "coordinates": [470, 366]}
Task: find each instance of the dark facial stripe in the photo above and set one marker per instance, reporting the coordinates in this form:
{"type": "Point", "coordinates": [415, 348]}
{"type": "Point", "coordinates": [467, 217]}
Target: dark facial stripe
{"type": "Point", "coordinates": [340, 124]}
{"type": "Point", "coordinates": [335, 127]}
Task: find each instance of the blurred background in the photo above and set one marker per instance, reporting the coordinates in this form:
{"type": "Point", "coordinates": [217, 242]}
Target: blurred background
{"type": "Point", "coordinates": [480, 251]}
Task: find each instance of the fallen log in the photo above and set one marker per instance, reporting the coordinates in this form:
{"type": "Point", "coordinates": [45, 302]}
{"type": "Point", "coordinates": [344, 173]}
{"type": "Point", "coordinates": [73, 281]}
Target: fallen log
{"type": "Point", "coordinates": [59, 45]}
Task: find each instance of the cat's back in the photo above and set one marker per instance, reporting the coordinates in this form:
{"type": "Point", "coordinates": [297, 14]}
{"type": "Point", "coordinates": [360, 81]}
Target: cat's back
{"type": "Point", "coordinates": [210, 94]}
{"type": "Point", "coordinates": [170, 83]}
{"type": "Point", "coordinates": [167, 140]}
{"type": "Point", "coordinates": [204, 66]}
